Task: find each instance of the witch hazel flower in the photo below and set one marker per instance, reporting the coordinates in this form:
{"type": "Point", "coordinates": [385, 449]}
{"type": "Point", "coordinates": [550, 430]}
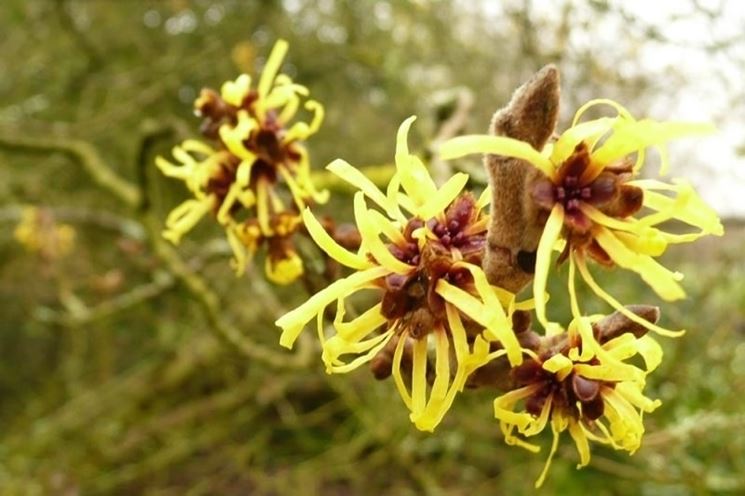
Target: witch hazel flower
{"type": "Point", "coordinates": [420, 254]}
{"type": "Point", "coordinates": [598, 207]}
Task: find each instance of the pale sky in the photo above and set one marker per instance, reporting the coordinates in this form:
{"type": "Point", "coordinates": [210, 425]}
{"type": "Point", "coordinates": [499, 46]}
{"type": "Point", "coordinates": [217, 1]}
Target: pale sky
{"type": "Point", "coordinates": [710, 84]}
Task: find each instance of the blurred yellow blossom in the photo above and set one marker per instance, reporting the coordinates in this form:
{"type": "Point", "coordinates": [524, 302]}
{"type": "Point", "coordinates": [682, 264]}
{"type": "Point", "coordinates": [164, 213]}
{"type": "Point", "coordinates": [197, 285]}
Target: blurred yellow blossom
{"type": "Point", "coordinates": [38, 233]}
{"type": "Point", "coordinates": [257, 148]}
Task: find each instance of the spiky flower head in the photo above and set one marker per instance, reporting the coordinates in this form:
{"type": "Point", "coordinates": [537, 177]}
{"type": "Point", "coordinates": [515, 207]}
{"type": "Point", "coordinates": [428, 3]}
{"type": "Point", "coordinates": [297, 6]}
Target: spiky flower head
{"type": "Point", "coordinates": [596, 205]}
{"type": "Point", "coordinates": [597, 399]}
{"type": "Point", "coordinates": [256, 147]}
{"type": "Point", "coordinates": [432, 297]}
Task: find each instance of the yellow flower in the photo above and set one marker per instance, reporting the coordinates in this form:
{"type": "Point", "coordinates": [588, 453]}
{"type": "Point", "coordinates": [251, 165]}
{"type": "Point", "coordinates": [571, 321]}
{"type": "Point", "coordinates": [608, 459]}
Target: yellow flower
{"type": "Point", "coordinates": [597, 400]}
{"type": "Point", "coordinates": [435, 298]}
{"type": "Point", "coordinates": [38, 232]}
{"type": "Point", "coordinates": [590, 190]}
{"type": "Point", "coordinates": [257, 147]}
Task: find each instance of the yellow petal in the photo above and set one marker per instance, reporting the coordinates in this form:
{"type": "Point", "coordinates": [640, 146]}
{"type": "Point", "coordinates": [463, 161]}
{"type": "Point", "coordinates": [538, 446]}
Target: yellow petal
{"type": "Point", "coordinates": [272, 67]}
{"type": "Point", "coordinates": [590, 346]}
{"type": "Point", "coordinates": [458, 332]}
{"type": "Point", "coordinates": [631, 136]}
{"type": "Point", "coordinates": [484, 198]}
{"type": "Point", "coordinates": [663, 281]}
{"type": "Point", "coordinates": [281, 95]}
{"type": "Point", "coordinates": [418, 378]}
{"type": "Point", "coordinates": [580, 440]}
{"type": "Point", "coordinates": [610, 371]}
{"type": "Point", "coordinates": [233, 92]}
{"type": "Point", "coordinates": [240, 253]}
{"type": "Point", "coordinates": [171, 170]}
{"type": "Point", "coordinates": [304, 178]}
{"type": "Point", "coordinates": [619, 307]}
{"type": "Point", "coordinates": [360, 327]}
{"type": "Point", "coordinates": [497, 145]}
{"type": "Point", "coordinates": [651, 351]}
{"type": "Point", "coordinates": [437, 404]}
{"type": "Point", "coordinates": [337, 346]}
{"type": "Point", "coordinates": [233, 137]}
{"type": "Point", "coordinates": [569, 139]}
{"type": "Point", "coordinates": [397, 198]}
{"type": "Point", "coordinates": [622, 347]}
{"type": "Point", "coordinates": [539, 423]}
{"type": "Point", "coordinates": [289, 110]}
{"type": "Point", "coordinates": [389, 229]}
{"type": "Point", "coordinates": [557, 425]}
{"type": "Point", "coordinates": [687, 206]}
{"type": "Point", "coordinates": [372, 241]}
{"type": "Point", "coordinates": [396, 371]}
{"type": "Point", "coordinates": [195, 146]}
{"type": "Point", "coordinates": [504, 404]}
{"type": "Point", "coordinates": [622, 112]}
{"type": "Point", "coordinates": [632, 394]}
{"type": "Point", "coordinates": [551, 233]}
{"type": "Point", "coordinates": [499, 324]}
{"type": "Point", "coordinates": [558, 364]}
{"type": "Point", "coordinates": [184, 217]}
{"type": "Point", "coordinates": [357, 179]}
{"type": "Point", "coordinates": [292, 323]}
{"type": "Point", "coordinates": [412, 173]}
{"type": "Point", "coordinates": [331, 247]}
{"type": "Point", "coordinates": [262, 207]}
{"type": "Point", "coordinates": [438, 201]}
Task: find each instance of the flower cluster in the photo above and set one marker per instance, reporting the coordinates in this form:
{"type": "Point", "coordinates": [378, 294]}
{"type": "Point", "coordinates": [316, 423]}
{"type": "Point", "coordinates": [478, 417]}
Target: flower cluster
{"type": "Point", "coordinates": [595, 207]}
{"type": "Point", "coordinates": [433, 299]}
{"type": "Point", "coordinates": [256, 147]}
{"type": "Point", "coordinates": [421, 252]}
{"type": "Point", "coordinates": [434, 320]}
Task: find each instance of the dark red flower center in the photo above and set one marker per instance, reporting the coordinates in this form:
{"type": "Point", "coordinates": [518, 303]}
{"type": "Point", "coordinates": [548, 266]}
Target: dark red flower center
{"type": "Point", "coordinates": [574, 189]}
{"type": "Point", "coordinates": [413, 294]}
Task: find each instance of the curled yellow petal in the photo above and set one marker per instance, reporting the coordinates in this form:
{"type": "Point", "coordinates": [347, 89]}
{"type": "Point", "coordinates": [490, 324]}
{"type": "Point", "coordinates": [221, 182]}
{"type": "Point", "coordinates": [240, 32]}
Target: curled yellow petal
{"type": "Point", "coordinates": [630, 136]}
{"type": "Point", "coordinates": [396, 370]}
{"type": "Point", "coordinates": [619, 307]}
{"type": "Point", "coordinates": [292, 323]}
{"type": "Point", "coordinates": [357, 179]}
{"type": "Point", "coordinates": [331, 247]}
{"type": "Point", "coordinates": [569, 139]}
{"type": "Point", "coordinates": [372, 241]}
{"type": "Point", "coordinates": [412, 173]}
{"type": "Point", "coordinates": [663, 281]}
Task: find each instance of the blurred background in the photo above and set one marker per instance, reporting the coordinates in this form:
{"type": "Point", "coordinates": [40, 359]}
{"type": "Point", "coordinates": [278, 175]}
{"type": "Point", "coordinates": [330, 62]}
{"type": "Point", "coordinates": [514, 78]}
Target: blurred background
{"type": "Point", "coordinates": [130, 367]}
